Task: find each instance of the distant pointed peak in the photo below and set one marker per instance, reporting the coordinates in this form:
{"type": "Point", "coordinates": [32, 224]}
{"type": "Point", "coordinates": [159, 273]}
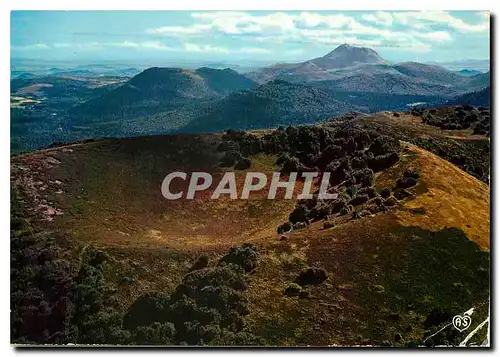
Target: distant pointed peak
{"type": "Point", "coordinates": [347, 55]}
{"type": "Point", "coordinates": [348, 47]}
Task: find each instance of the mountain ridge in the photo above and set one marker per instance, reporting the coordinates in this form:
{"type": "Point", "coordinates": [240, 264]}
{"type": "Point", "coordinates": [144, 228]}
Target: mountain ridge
{"type": "Point", "coordinates": [362, 69]}
{"type": "Point", "coordinates": [269, 105]}
{"type": "Point", "coordinates": [165, 88]}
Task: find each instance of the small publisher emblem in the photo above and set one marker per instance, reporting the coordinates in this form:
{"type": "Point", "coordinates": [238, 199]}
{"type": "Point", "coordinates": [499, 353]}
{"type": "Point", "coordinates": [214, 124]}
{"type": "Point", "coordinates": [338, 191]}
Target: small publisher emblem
{"type": "Point", "coordinates": [462, 322]}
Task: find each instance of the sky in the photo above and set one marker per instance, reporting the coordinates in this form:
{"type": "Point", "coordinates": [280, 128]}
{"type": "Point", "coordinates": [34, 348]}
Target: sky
{"type": "Point", "coordinates": [277, 36]}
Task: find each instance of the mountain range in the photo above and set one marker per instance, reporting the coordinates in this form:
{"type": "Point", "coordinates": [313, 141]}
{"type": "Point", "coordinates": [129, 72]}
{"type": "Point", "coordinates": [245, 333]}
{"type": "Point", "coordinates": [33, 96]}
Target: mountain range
{"type": "Point", "coordinates": [164, 99]}
{"type": "Point", "coordinates": [360, 69]}
{"type": "Point", "coordinates": [346, 79]}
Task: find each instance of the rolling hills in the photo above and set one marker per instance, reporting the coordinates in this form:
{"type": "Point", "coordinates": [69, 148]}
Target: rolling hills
{"type": "Point", "coordinates": [478, 98]}
{"type": "Point", "coordinates": [269, 106]}
{"type": "Point", "coordinates": [161, 89]}
{"type": "Point", "coordinates": [468, 72]}
{"type": "Point", "coordinates": [265, 106]}
{"type": "Point", "coordinates": [154, 101]}
{"type": "Point", "coordinates": [65, 107]}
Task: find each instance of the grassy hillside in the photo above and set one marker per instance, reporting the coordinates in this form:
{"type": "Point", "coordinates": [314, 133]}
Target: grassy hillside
{"type": "Point", "coordinates": [269, 106]}
{"type": "Point", "coordinates": [161, 89]}
{"type": "Point", "coordinates": [99, 256]}
{"type": "Point", "coordinates": [387, 272]}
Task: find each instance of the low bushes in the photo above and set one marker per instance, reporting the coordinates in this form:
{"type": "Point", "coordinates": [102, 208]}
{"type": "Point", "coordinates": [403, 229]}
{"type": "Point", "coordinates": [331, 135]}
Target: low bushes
{"type": "Point", "coordinates": [155, 334]}
{"type": "Point", "coordinates": [382, 162]}
{"type": "Point", "coordinates": [208, 306]}
{"type": "Point", "coordinates": [299, 214]}
{"type": "Point", "coordinates": [359, 199]}
{"type": "Point", "coordinates": [409, 179]}
{"type": "Point", "coordinates": [285, 227]}
{"type": "Point", "coordinates": [243, 164]}
{"type": "Point", "coordinates": [300, 225]}
{"type": "Point", "coordinates": [328, 225]}
{"type": "Point", "coordinates": [401, 194]}
{"type": "Point", "coordinates": [458, 118]}
{"type": "Point", "coordinates": [228, 145]}
{"type": "Point", "coordinates": [311, 276]}
{"type": "Point", "coordinates": [363, 176]}
{"type": "Point", "coordinates": [250, 145]}
{"type": "Point", "coordinates": [201, 262]}
{"type": "Point", "coordinates": [230, 158]}
{"type": "Point", "coordinates": [390, 201]}
{"type": "Point", "coordinates": [370, 191]}
{"type": "Point", "coordinates": [245, 256]}
{"type": "Point", "coordinates": [146, 310]}
{"type": "Point", "coordinates": [385, 192]}
{"type": "Point", "coordinates": [293, 289]}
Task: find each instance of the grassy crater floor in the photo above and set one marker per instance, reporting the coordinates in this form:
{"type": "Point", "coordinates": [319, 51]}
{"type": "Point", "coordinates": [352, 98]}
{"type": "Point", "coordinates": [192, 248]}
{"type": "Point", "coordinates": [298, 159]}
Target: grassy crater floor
{"type": "Point", "coordinates": [386, 272]}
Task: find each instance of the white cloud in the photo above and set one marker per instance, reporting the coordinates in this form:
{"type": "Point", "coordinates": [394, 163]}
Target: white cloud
{"type": "Point", "coordinates": [420, 19]}
{"type": "Point", "coordinates": [90, 46]}
{"type": "Point", "coordinates": [233, 23]}
{"type": "Point", "coordinates": [36, 46]}
{"type": "Point", "coordinates": [179, 30]}
{"type": "Point", "coordinates": [435, 36]}
{"type": "Point", "coordinates": [310, 19]}
{"type": "Point", "coordinates": [335, 21]}
{"type": "Point", "coordinates": [374, 29]}
{"type": "Point", "coordinates": [151, 45]}
{"type": "Point", "coordinates": [127, 44]}
{"type": "Point", "coordinates": [414, 30]}
{"type": "Point", "coordinates": [379, 17]}
{"type": "Point", "coordinates": [155, 45]}
{"type": "Point", "coordinates": [62, 45]}
{"type": "Point", "coordinates": [485, 15]}
{"type": "Point", "coordinates": [191, 47]}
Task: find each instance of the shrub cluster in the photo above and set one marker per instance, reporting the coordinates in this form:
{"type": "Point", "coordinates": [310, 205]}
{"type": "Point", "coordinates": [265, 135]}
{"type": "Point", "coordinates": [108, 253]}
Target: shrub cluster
{"type": "Point", "coordinates": [245, 256]}
{"type": "Point", "coordinates": [237, 146]}
{"type": "Point", "coordinates": [458, 118]}
{"type": "Point", "coordinates": [350, 153]}
{"type": "Point", "coordinates": [96, 318]}
{"type": "Point", "coordinates": [201, 262]}
{"type": "Point", "coordinates": [311, 276]}
{"type": "Point", "coordinates": [409, 179]}
{"type": "Point", "coordinates": [208, 306]}
{"type": "Point", "coordinates": [40, 303]}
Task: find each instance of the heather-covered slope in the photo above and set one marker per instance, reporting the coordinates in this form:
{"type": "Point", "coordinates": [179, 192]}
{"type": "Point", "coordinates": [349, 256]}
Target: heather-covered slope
{"type": "Point", "coordinates": [99, 256]}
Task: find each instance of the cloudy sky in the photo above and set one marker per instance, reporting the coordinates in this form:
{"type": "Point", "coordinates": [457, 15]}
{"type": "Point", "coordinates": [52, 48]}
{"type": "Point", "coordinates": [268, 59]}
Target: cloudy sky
{"type": "Point", "coordinates": [250, 35]}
